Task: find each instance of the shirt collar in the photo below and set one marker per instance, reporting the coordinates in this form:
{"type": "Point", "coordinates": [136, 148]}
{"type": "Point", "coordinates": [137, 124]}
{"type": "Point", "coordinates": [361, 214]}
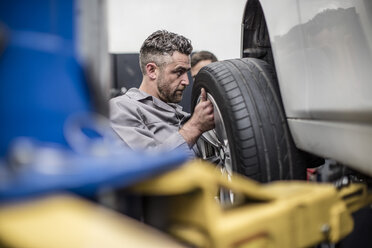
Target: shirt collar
{"type": "Point", "coordinates": [139, 95]}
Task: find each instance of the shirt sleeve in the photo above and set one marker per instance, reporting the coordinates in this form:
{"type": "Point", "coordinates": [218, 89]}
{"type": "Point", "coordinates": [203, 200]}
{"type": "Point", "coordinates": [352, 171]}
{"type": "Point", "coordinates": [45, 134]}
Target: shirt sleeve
{"type": "Point", "coordinates": [128, 124]}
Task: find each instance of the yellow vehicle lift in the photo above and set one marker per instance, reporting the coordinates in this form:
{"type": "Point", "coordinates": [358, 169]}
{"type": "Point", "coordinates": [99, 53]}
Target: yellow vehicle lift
{"type": "Point", "coordinates": [279, 214]}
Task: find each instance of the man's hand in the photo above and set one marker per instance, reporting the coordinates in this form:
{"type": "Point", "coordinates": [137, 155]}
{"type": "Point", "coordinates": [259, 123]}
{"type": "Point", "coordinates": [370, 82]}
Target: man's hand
{"type": "Point", "coordinates": [201, 121]}
{"type": "Point", "coordinates": [203, 118]}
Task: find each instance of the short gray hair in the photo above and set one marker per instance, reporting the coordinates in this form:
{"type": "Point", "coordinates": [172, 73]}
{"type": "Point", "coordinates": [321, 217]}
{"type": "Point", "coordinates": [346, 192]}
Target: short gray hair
{"type": "Point", "coordinates": [162, 44]}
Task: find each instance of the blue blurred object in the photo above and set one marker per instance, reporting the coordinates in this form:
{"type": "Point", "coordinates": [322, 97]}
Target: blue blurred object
{"type": "Point", "coordinates": [51, 139]}
{"type": "Point", "coordinates": [47, 169]}
{"type": "Point", "coordinates": [41, 81]}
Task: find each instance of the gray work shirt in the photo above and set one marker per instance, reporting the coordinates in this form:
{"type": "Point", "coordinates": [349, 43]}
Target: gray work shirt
{"type": "Point", "coordinates": [146, 122]}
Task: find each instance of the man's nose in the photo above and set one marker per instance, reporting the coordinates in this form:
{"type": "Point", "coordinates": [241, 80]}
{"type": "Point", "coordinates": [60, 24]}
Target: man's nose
{"type": "Point", "coordinates": [185, 79]}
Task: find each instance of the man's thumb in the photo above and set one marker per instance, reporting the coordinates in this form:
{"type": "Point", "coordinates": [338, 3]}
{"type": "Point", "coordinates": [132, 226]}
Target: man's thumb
{"type": "Point", "coordinates": [203, 95]}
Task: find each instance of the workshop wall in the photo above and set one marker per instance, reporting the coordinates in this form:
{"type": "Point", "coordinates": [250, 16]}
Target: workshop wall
{"type": "Point", "coordinates": [211, 24]}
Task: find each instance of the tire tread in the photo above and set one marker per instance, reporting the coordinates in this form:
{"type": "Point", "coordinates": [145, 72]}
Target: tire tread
{"type": "Point", "coordinates": [262, 143]}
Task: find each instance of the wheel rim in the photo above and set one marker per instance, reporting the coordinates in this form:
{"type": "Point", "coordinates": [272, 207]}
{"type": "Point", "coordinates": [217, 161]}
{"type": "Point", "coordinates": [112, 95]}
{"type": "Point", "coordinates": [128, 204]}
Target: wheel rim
{"type": "Point", "coordinates": [216, 149]}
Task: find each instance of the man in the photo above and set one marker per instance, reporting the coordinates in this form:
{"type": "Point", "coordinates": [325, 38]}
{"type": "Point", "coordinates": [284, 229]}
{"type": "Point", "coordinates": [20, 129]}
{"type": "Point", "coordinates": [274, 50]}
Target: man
{"type": "Point", "coordinates": [149, 117]}
{"type": "Point", "coordinates": [199, 60]}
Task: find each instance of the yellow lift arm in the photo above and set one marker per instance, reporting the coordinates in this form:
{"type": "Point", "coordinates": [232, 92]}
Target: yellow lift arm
{"type": "Point", "coordinates": [279, 214]}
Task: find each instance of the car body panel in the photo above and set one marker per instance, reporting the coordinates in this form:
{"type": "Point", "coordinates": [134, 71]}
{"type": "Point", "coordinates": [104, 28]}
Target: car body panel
{"type": "Point", "coordinates": [348, 143]}
{"type": "Point", "coordinates": [323, 58]}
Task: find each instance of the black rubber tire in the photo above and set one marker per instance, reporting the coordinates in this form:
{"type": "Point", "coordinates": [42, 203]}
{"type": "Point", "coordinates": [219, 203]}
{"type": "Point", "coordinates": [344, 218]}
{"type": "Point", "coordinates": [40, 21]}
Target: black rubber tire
{"type": "Point", "coordinates": [247, 94]}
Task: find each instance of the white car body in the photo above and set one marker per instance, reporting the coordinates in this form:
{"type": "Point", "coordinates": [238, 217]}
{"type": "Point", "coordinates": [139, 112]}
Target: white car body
{"type": "Point", "coordinates": [323, 59]}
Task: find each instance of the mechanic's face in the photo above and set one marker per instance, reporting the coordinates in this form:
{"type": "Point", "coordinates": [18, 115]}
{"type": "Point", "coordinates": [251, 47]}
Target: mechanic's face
{"type": "Point", "coordinates": [172, 78]}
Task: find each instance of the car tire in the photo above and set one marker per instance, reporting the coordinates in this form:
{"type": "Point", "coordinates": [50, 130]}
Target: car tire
{"type": "Point", "coordinates": [247, 104]}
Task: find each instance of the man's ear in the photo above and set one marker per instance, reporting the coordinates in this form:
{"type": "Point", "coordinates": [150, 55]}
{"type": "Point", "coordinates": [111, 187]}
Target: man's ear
{"type": "Point", "coordinates": [151, 70]}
